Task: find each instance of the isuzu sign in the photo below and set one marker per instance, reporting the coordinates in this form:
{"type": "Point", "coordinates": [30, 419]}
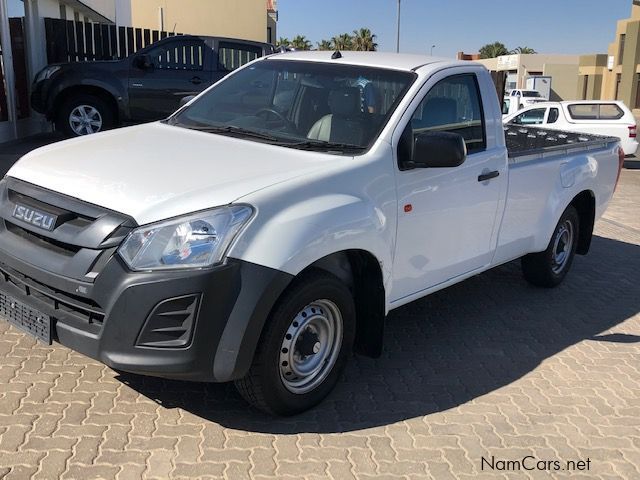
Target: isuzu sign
{"type": "Point", "coordinates": [34, 217]}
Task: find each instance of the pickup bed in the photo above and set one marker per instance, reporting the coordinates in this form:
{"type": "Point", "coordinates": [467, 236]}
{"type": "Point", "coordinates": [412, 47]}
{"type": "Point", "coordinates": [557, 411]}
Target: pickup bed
{"type": "Point", "coordinates": [264, 231]}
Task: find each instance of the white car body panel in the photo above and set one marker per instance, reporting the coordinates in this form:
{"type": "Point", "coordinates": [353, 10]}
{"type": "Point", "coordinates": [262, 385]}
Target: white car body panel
{"type": "Point", "coordinates": [614, 128]}
{"type": "Point", "coordinates": [141, 171]}
{"type": "Point", "coordinates": [310, 205]}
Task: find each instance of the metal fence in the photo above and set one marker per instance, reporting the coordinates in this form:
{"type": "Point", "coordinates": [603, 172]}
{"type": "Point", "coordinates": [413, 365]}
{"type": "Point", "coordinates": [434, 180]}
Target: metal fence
{"type": "Point", "coordinates": [69, 41]}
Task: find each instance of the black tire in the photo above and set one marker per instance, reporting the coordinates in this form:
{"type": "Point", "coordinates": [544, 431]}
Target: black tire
{"type": "Point", "coordinates": [105, 111]}
{"type": "Point", "coordinates": [542, 269]}
{"type": "Point", "coordinates": [263, 386]}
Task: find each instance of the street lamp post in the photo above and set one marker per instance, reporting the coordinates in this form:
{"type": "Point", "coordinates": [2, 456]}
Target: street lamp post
{"type": "Point", "coordinates": [398, 30]}
{"type": "Point", "coordinates": [431, 52]}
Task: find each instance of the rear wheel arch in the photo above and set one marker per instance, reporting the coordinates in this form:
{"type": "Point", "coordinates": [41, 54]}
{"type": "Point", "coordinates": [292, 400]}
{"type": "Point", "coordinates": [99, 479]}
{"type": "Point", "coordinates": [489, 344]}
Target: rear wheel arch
{"type": "Point", "coordinates": [585, 205]}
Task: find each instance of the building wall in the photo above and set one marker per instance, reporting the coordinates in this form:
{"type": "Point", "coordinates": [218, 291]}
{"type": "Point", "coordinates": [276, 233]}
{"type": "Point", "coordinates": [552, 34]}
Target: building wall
{"type": "Point", "coordinates": [614, 75]}
{"type": "Point", "coordinates": [245, 19]}
{"type": "Point", "coordinates": [564, 81]}
{"type": "Point", "coordinates": [106, 8]}
{"type": "Point", "coordinates": [562, 68]}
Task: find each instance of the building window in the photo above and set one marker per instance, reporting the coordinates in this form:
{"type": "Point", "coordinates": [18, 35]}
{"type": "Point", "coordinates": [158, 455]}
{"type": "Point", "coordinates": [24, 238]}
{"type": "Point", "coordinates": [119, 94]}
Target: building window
{"type": "Point", "coordinates": [618, 82]}
{"type": "Point", "coordinates": [63, 11]}
{"type": "Point", "coordinates": [585, 87]}
{"type": "Point", "coordinates": [637, 91]}
{"type": "Point", "coordinates": [623, 39]}
{"type": "Point", "coordinates": [76, 16]}
{"type": "Point", "coordinates": [269, 35]}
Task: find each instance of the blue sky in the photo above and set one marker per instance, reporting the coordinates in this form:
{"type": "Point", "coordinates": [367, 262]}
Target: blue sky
{"type": "Point", "coordinates": [548, 26]}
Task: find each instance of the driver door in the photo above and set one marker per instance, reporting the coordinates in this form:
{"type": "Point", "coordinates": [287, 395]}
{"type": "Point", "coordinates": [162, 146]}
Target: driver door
{"type": "Point", "coordinates": [447, 217]}
{"type": "Point", "coordinates": [178, 68]}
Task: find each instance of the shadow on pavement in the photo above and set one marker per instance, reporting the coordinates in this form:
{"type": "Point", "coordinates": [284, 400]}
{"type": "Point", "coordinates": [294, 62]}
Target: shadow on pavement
{"type": "Point", "coordinates": [448, 348]}
{"type": "Point", "coordinates": [617, 338]}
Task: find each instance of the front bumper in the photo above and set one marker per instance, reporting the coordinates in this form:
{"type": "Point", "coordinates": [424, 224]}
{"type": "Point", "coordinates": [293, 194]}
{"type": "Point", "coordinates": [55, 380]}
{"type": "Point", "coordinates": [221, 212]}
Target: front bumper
{"type": "Point", "coordinates": [201, 325]}
{"type": "Point", "coordinates": [233, 302]}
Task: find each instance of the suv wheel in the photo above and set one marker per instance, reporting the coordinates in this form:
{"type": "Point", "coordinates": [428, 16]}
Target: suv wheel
{"type": "Point", "coordinates": [303, 347]}
{"type": "Point", "coordinates": [84, 115]}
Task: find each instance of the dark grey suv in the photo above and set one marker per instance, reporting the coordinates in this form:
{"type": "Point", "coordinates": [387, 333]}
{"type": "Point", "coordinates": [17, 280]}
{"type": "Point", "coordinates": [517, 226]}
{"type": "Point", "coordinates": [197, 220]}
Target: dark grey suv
{"type": "Point", "coordinates": [87, 97]}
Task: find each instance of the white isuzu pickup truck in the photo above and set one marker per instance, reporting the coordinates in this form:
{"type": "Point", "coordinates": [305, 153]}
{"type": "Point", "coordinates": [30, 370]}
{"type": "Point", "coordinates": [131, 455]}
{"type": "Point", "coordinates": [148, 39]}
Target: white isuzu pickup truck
{"type": "Point", "coordinates": [263, 232]}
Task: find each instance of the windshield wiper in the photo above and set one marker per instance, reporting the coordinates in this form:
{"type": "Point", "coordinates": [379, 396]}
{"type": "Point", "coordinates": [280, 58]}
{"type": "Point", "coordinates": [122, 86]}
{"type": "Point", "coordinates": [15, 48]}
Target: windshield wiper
{"type": "Point", "coordinates": [325, 146]}
{"type": "Point", "coordinates": [239, 131]}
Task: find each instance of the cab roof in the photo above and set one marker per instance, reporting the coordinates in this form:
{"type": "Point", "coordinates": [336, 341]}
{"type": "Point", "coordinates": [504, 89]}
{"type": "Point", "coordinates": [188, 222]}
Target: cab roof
{"type": "Point", "coordinates": [396, 61]}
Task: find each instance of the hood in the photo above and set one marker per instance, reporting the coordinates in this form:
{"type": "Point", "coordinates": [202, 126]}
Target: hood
{"type": "Point", "coordinates": [155, 171]}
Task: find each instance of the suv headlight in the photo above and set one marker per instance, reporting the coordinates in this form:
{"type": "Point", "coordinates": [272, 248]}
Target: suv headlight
{"type": "Point", "coordinates": [46, 73]}
{"type": "Point", "coordinates": [193, 241]}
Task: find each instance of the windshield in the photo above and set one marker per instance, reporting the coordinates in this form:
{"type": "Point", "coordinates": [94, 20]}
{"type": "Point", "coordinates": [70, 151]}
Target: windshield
{"type": "Point", "coordinates": [318, 106]}
{"type": "Point", "coordinates": [530, 93]}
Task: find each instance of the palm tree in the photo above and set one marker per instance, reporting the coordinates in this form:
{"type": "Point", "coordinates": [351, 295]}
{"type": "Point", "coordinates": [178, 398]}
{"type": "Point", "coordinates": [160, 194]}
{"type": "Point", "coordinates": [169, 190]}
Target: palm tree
{"type": "Point", "coordinates": [283, 42]}
{"type": "Point", "coordinates": [343, 42]}
{"type": "Point", "coordinates": [492, 50]}
{"type": "Point", "coordinates": [523, 51]}
{"type": "Point", "coordinates": [364, 40]}
{"type": "Point", "coordinates": [325, 45]}
{"type": "Point", "coordinates": [300, 42]}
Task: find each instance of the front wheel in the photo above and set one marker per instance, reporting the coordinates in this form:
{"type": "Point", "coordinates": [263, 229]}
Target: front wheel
{"type": "Point", "coordinates": [303, 347]}
{"type": "Point", "coordinates": [548, 268]}
{"type": "Point", "coordinates": [84, 114]}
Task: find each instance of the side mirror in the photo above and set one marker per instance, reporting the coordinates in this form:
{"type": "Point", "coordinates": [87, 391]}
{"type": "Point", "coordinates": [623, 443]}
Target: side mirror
{"type": "Point", "coordinates": [143, 62]}
{"type": "Point", "coordinates": [185, 100]}
{"type": "Point", "coordinates": [437, 150]}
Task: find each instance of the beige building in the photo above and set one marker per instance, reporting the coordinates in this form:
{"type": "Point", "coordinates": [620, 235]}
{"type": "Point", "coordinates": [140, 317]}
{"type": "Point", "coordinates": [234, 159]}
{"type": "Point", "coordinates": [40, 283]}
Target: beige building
{"type": "Point", "coordinates": [562, 68]}
{"type": "Point", "coordinates": [246, 19]}
{"type": "Point", "coordinates": [615, 75]}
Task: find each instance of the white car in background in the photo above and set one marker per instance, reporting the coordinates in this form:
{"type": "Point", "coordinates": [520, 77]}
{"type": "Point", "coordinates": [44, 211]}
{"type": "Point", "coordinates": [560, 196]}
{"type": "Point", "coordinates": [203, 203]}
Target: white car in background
{"type": "Point", "coordinates": [523, 98]}
{"type": "Point", "coordinates": [609, 118]}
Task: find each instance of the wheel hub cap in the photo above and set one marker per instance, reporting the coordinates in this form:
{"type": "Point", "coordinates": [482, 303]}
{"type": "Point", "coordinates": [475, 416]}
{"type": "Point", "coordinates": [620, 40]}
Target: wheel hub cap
{"type": "Point", "coordinates": [85, 120]}
{"type": "Point", "coordinates": [310, 346]}
{"type": "Point", "coordinates": [562, 245]}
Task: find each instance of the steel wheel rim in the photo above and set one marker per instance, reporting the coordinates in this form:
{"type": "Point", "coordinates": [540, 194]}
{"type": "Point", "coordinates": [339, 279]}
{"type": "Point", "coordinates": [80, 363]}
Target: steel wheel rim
{"type": "Point", "coordinates": [317, 331]}
{"type": "Point", "coordinates": [562, 244]}
{"type": "Point", "coordinates": [85, 120]}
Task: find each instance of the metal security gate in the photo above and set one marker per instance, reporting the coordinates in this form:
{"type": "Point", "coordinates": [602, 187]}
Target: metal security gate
{"type": "Point", "coordinates": [69, 41]}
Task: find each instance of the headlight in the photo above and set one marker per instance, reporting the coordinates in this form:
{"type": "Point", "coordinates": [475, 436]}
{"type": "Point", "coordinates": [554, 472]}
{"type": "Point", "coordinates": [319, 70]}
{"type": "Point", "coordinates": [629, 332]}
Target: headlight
{"type": "Point", "coordinates": [193, 241]}
{"type": "Point", "coordinates": [46, 73]}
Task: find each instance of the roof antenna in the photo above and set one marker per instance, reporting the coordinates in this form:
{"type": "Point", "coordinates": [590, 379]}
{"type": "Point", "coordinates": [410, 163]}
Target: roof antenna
{"type": "Point", "coordinates": [336, 55]}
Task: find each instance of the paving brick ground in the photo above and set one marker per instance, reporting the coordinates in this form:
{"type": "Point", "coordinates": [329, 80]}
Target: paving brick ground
{"type": "Point", "coordinates": [489, 368]}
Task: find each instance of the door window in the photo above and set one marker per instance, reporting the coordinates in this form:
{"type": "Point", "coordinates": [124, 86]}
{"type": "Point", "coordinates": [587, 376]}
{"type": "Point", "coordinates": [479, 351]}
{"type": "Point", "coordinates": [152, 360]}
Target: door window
{"type": "Point", "coordinates": [234, 55]}
{"type": "Point", "coordinates": [453, 105]}
{"type": "Point", "coordinates": [531, 117]}
{"type": "Point", "coordinates": [179, 55]}
{"type": "Point", "coordinates": [505, 106]}
{"type": "Point", "coordinates": [4, 110]}
{"type": "Point", "coordinates": [554, 114]}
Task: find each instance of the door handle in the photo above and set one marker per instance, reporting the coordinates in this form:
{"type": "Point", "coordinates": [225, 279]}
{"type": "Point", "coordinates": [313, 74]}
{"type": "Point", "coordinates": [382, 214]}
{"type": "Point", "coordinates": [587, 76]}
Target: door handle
{"type": "Point", "coordinates": [196, 80]}
{"type": "Point", "coordinates": [488, 176]}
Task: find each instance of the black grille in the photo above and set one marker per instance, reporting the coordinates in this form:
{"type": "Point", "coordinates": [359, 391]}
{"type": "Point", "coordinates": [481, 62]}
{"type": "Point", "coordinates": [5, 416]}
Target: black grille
{"type": "Point", "coordinates": [41, 240]}
{"type": "Point", "coordinates": [82, 309]}
{"type": "Point", "coordinates": [82, 240]}
{"type": "Point", "coordinates": [170, 324]}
